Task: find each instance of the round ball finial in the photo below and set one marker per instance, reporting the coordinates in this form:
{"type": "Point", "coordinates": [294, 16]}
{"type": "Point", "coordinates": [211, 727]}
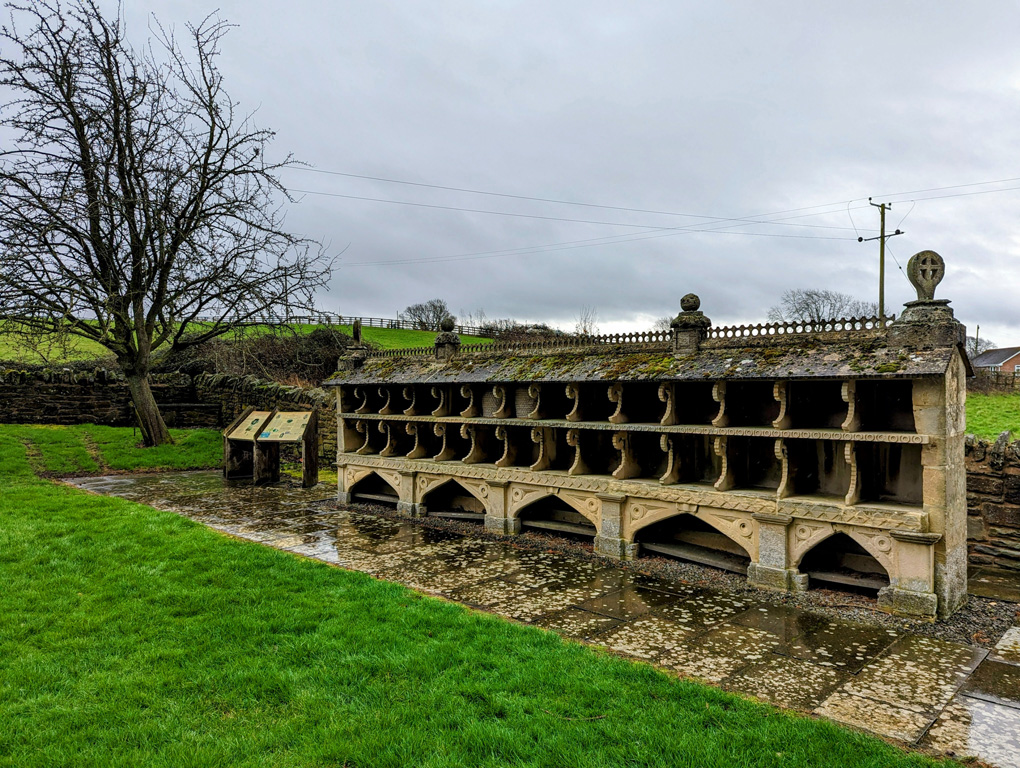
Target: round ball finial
{"type": "Point", "coordinates": [446, 326]}
{"type": "Point", "coordinates": [925, 270]}
{"type": "Point", "coordinates": [690, 303]}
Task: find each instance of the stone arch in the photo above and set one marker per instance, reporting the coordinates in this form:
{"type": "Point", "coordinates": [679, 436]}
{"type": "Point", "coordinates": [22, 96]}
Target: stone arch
{"type": "Point", "coordinates": [878, 544]}
{"type": "Point", "coordinates": [586, 505]}
{"type": "Point", "coordinates": [479, 491]}
{"type": "Point", "coordinates": [369, 481]}
{"type": "Point", "coordinates": [734, 527]}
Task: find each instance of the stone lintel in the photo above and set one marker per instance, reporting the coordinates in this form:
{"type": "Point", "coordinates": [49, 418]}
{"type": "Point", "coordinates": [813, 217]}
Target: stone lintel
{"type": "Point", "coordinates": [915, 537]}
{"type": "Point", "coordinates": [612, 498]}
{"type": "Point", "coordinates": [773, 519]}
{"type": "Point", "coordinates": [498, 483]}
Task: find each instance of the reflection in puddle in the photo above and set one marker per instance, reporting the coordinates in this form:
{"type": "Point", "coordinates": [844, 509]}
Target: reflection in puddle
{"type": "Point", "coordinates": [901, 686]}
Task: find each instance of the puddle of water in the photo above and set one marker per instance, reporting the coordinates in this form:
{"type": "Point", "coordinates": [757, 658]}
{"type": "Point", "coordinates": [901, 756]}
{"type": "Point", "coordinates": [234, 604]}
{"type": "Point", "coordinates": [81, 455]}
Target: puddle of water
{"type": "Point", "coordinates": [839, 644]}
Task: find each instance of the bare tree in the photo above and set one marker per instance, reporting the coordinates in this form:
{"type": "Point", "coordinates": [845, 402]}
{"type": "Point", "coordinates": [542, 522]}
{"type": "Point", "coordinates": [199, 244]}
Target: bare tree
{"type": "Point", "coordinates": [664, 323]}
{"type": "Point", "coordinates": [587, 321]}
{"type": "Point", "coordinates": [816, 305]}
{"type": "Point", "coordinates": [427, 315]}
{"type": "Point", "coordinates": [977, 345]}
{"type": "Point", "coordinates": [138, 208]}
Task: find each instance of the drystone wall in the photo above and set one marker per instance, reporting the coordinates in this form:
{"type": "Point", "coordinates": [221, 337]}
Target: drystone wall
{"type": "Point", "coordinates": [95, 397]}
{"type": "Point", "coordinates": [102, 397]}
{"type": "Point", "coordinates": [993, 501]}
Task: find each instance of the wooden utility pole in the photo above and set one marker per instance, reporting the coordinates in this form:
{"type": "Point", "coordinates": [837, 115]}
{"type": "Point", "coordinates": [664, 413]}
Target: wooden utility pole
{"type": "Point", "coordinates": [882, 208]}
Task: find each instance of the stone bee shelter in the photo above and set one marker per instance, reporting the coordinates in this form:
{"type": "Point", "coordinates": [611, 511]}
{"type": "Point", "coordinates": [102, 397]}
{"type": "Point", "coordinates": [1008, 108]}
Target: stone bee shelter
{"type": "Point", "coordinates": [826, 453]}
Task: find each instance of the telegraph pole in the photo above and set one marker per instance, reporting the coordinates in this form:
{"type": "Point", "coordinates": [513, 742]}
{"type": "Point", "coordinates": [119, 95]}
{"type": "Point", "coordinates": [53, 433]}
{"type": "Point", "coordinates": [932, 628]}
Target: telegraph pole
{"type": "Point", "coordinates": [882, 237]}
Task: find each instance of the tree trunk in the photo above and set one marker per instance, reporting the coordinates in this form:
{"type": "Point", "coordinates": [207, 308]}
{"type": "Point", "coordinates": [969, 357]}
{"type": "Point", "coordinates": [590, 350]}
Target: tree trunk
{"type": "Point", "coordinates": [154, 431]}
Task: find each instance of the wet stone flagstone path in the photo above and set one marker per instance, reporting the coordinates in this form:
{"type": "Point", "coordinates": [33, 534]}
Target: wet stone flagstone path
{"type": "Point", "coordinates": [954, 698]}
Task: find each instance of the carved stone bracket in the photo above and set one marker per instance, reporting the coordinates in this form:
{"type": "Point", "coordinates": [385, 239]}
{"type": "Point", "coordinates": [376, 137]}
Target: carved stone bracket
{"type": "Point", "coordinates": [363, 428]}
{"type": "Point", "coordinates": [628, 466]}
{"type": "Point", "coordinates": [411, 396]}
{"type": "Point", "coordinates": [535, 393]}
{"type": "Point", "coordinates": [543, 438]}
{"type": "Point", "coordinates": [574, 393]}
{"type": "Point", "coordinates": [504, 406]}
{"type": "Point", "coordinates": [578, 467]}
{"type": "Point", "coordinates": [667, 394]}
{"type": "Point", "coordinates": [509, 448]}
{"type": "Point", "coordinates": [672, 475]}
{"type": "Point", "coordinates": [387, 395]}
{"type": "Point", "coordinates": [785, 486]}
{"type": "Point", "coordinates": [476, 455]}
{"type": "Point", "coordinates": [442, 394]}
{"type": "Point", "coordinates": [418, 451]}
{"type": "Point", "coordinates": [722, 418]}
{"type": "Point", "coordinates": [616, 396]}
{"type": "Point", "coordinates": [780, 391]}
{"type": "Point", "coordinates": [852, 422]}
{"type": "Point", "coordinates": [472, 410]}
{"type": "Point", "coordinates": [361, 394]}
{"type": "Point", "coordinates": [726, 480]}
{"type": "Point", "coordinates": [446, 452]}
{"type": "Point", "coordinates": [391, 448]}
{"type": "Point", "coordinates": [853, 495]}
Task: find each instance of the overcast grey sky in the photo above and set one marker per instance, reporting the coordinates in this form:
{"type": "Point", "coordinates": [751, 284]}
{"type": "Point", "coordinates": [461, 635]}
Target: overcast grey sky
{"type": "Point", "coordinates": [763, 110]}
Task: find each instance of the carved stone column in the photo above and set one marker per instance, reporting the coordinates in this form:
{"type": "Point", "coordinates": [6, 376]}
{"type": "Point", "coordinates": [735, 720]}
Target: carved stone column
{"type": "Point", "coordinates": [911, 589]}
{"type": "Point", "coordinates": [406, 504]}
{"type": "Point", "coordinates": [496, 519]}
{"type": "Point", "coordinates": [773, 570]}
{"type": "Point", "coordinates": [609, 541]}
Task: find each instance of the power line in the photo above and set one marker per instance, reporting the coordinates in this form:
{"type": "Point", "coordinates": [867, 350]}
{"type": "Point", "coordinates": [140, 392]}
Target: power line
{"type": "Point", "coordinates": [741, 221]}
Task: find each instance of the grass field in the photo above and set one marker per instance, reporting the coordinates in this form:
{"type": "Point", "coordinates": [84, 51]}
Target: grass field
{"type": "Point", "coordinates": [132, 637]}
{"type": "Point", "coordinates": [988, 415]}
{"type": "Point", "coordinates": [52, 353]}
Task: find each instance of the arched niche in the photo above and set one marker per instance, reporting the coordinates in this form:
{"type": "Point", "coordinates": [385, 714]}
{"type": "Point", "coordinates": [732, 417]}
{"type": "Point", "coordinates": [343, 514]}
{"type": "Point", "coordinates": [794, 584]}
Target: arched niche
{"type": "Point", "coordinates": [848, 561]}
{"type": "Point", "coordinates": [696, 539]}
{"type": "Point", "coordinates": [455, 500]}
{"type": "Point", "coordinates": [552, 513]}
{"type": "Point", "coordinates": [374, 488]}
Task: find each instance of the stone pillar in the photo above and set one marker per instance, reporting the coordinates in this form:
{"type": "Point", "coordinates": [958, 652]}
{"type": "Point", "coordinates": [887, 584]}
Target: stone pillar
{"type": "Point", "coordinates": [690, 327]}
{"type": "Point", "coordinates": [406, 504]}
{"type": "Point", "coordinates": [447, 342]}
{"type": "Point", "coordinates": [609, 541]}
{"type": "Point", "coordinates": [343, 494]}
{"type": "Point", "coordinates": [911, 589]}
{"type": "Point", "coordinates": [773, 570]}
{"type": "Point", "coordinates": [496, 520]}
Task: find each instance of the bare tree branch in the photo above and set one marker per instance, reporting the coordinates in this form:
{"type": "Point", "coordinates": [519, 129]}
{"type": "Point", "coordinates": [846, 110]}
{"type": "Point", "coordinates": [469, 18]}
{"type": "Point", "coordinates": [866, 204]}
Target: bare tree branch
{"type": "Point", "coordinates": [139, 207]}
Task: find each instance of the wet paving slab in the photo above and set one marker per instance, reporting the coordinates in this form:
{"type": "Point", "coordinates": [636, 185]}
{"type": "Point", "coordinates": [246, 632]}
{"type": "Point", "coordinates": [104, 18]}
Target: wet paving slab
{"type": "Point", "coordinates": [952, 697]}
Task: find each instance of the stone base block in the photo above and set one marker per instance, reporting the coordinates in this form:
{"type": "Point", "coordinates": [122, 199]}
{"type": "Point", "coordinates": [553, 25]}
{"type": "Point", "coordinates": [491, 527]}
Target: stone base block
{"type": "Point", "coordinates": [783, 579]}
{"type": "Point", "coordinates": [903, 602]}
{"type": "Point", "coordinates": [408, 509]}
{"type": "Point", "coordinates": [507, 526]}
{"type": "Point", "coordinates": [618, 549]}
{"type": "Point", "coordinates": [343, 497]}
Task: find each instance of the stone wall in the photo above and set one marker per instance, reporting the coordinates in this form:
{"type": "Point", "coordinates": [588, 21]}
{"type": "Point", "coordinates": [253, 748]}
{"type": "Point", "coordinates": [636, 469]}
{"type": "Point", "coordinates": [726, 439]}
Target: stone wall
{"type": "Point", "coordinates": [993, 501]}
{"type": "Point", "coordinates": [102, 397]}
{"type": "Point", "coordinates": [95, 397]}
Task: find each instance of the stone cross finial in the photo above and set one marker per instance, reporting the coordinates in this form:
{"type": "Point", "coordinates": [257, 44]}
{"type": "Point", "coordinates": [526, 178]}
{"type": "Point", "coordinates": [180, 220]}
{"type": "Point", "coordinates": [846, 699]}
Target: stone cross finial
{"type": "Point", "coordinates": [925, 271]}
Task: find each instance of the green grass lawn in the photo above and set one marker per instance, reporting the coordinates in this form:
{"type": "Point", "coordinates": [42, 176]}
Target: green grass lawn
{"type": "Point", "coordinates": [988, 415]}
{"type": "Point", "coordinates": [133, 637]}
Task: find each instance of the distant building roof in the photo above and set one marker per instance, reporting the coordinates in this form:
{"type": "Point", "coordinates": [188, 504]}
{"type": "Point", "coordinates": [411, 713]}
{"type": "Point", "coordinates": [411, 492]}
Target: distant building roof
{"type": "Point", "coordinates": [994, 357]}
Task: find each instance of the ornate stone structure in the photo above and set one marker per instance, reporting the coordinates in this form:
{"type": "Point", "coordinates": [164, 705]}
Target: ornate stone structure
{"type": "Point", "coordinates": [794, 452]}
